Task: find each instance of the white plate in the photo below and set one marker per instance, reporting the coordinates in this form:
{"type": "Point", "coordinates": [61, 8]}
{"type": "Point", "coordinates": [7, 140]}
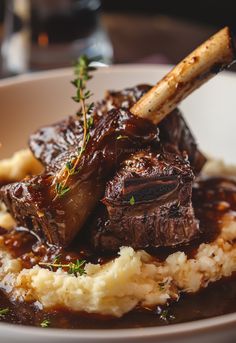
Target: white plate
{"type": "Point", "coordinates": [30, 101]}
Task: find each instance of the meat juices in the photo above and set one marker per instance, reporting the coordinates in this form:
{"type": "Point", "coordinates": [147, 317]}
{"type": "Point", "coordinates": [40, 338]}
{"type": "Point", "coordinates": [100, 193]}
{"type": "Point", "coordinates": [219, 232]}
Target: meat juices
{"type": "Point", "coordinates": [32, 202]}
{"type": "Point", "coordinates": [116, 135]}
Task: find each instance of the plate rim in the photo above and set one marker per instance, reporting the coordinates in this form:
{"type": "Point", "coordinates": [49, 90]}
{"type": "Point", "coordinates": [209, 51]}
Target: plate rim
{"type": "Point", "coordinates": [65, 72]}
{"type": "Point", "coordinates": [168, 331]}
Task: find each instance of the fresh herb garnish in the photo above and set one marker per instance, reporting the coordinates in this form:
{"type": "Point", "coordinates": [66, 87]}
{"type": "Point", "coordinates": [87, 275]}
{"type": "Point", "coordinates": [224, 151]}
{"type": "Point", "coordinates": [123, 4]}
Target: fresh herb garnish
{"type": "Point", "coordinates": [162, 285]}
{"type": "Point", "coordinates": [69, 166]}
{"type": "Point", "coordinates": [45, 323]}
{"type": "Point", "coordinates": [4, 312]}
{"type": "Point", "coordinates": [90, 120]}
{"type": "Point", "coordinates": [61, 189]}
{"type": "Point", "coordinates": [57, 258]}
{"type": "Point", "coordinates": [82, 71]}
{"type": "Point", "coordinates": [121, 137]}
{"type": "Point", "coordinates": [76, 268]}
{"type": "Point", "coordinates": [132, 201]}
{"type": "Point", "coordinates": [165, 314]}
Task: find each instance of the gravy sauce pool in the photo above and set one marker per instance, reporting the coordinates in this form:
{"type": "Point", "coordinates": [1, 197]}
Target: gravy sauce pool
{"type": "Point", "coordinates": [212, 198]}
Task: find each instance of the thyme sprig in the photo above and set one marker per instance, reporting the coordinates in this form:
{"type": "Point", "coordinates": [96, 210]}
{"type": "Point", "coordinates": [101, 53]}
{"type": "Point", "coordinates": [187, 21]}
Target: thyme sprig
{"type": "Point", "coordinates": [82, 70]}
{"type": "Point", "coordinates": [45, 323]}
{"type": "Point", "coordinates": [132, 200]}
{"type": "Point", "coordinates": [165, 314]}
{"type": "Point", "coordinates": [121, 137]}
{"type": "Point", "coordinates": [76, 268]}
{"type": "Point", "coordinates": [3, 312]}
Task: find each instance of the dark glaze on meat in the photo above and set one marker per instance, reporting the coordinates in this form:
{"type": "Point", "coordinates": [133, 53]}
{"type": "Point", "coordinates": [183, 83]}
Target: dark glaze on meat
{"type": "Point", "coordinates": [160, 185]}
{"type": "Point", "coordinates": [55, 144]}
{"type": "Point", "coordinates": [212, 199]}
{"type": "Point", "coordinates": [32, 202]}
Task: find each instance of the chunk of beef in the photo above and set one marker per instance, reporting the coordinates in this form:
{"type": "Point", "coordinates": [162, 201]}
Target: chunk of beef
{"type": "Point", "coordinates": [148, 204]}
{"type": "Point", "coordinates": [175, 131]}
{"type": "Point", "coordinates": [55, 144]}
{"type": "Point", "coordinates": [116, 135]}
{"type": "Point", "coordinates": [124, 98]}
{"type": "Point", "coordinates": [32, 202]}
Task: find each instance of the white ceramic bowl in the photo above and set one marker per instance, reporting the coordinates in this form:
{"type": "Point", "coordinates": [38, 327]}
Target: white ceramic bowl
{"type": "Point", "coordinates": [29, 101]}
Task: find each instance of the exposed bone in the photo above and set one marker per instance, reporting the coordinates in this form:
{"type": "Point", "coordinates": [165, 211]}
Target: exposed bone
{"type": "Point", "coordinates": [202, 64]}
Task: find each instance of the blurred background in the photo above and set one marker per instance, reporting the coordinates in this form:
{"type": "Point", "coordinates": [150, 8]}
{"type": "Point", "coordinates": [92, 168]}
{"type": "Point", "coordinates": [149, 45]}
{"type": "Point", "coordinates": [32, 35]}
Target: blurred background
{"type": "Point", "coordinates": [47, 34]}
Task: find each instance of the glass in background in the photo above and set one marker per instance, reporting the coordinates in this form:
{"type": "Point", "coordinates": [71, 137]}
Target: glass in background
{"type": "Point", "coordinates": [46, 34]}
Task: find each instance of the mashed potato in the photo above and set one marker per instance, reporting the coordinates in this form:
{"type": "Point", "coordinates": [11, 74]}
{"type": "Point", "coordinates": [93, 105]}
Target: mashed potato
{"type": "Point", "coordinates": [133, 278]}
{"type": "Point", "coordinates": [20, 165]}
{"type": "Point", "coordinates": [6, 220]}
{"type": "Point", "coordinates": [217, 167]}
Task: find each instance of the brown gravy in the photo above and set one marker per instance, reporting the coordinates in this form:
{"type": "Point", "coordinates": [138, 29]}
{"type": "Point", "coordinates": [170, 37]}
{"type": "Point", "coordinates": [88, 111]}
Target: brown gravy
{"type": "Point", "coordinates": [205, 304]}
{"type": "Point", "coordinates": [212, 198]}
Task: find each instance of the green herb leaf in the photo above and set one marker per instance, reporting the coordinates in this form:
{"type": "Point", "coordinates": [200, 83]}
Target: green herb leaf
{"type": "Point", "coordinates": [77, 267]}
{"type": "Point", "coordinates": [61, 189]}
{"type": "Point", "coordinates": [69, 166]}
{"type": "Point", "coordinates": [165, 314]}
{"type": "Point", "coordinates": [87, 138]}
{"type": "Point", "coordinates": [90, 108]}
{"type": "Point", "coordinates": [87, 95]}
{"type": "Point", "coordinates": [4, 312]}
{"type": "Point", "coordinates": [132, 201]}
{"type": "Point", "coordinates": [162, 285]}
{"type": "Point", "coordinates": [57, 258]}
{"type": "Point", "coordinates": [90, 122]}
{"type": "Point", "coordinates": [72, 268]}
{"type": "Point", "coordinates": [81, 150]}
{"type": "Point", "coordinates": [82, 70]}
{"type": "Point", "coordinates": [45, 323]}
{"type": "Point", "coordinates": [121, 137]}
